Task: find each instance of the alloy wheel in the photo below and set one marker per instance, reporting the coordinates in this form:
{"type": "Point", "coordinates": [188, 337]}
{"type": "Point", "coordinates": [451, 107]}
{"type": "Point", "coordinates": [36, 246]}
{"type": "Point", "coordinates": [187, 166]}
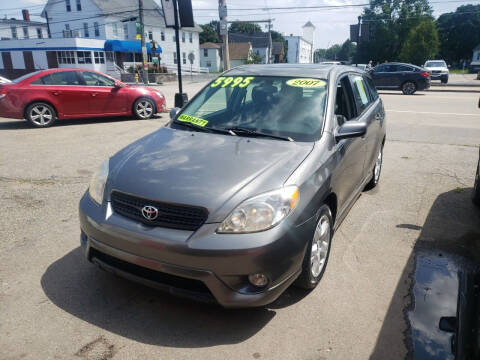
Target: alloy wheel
{"type": "Point", "coordinates": [409, 88]}
{"type": "Point", "coordinates": [41, 115]}
{"type": "Point", "coordinates": [378, 166]}
{"type": "Point", "coordinates": [320, 246]}
{"type": "Point", "coordinates": [144, 109]}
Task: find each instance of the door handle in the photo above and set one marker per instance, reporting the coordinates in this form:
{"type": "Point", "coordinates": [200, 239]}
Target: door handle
{"type": "Point", "coordinates": [94, 94]}
{"type": "Point", "coordinates": [56, 93]}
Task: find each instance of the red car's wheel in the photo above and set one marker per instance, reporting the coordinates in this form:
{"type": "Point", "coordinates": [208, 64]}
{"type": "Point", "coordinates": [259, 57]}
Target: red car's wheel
{"type": "Point", "coordinates": [144, 108]}
{"type": "Point", "coordinates": [40, 114]}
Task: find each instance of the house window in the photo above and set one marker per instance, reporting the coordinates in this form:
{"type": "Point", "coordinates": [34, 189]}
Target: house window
{"type": "Point", "coordinates": [183, 36]}
{"type": "Point", "coordinates": [115, 29]}
{"type": "Point", "coordinates": [162, 36]}
{"type": "Point", "coordinates": [79, 5]}
{"type": "Point", "coordinates": [174, 57]}
{"type": "Point", "coordinates": [84, 57]}
{"type": "Point", "coordinates": [209, 64]}
{"type": "Point", "coordinates": [25, 32]}
{"type": "Point", "coordinates": [174, 38]}
{"type": "Point", "coordinates": [190, 37]}
{"type": "Point", "coordinates": [68, 6]}
{"type": "Point", "coordinates": [125, 31]}
{"type": "Point", "coordinates": [39, 33]}
{"type": "Point", "coordinates": [99, 57]}
{"type": "Point", "coordinates": [85, 30]}
{"type": "Point", "coordinates": [205, 52]}
{"type": "Point", "coordinates": [97, 29]}
{"type": "Point", "coordinates": [14, 32]}
{"type": "Point", "coordinates": [184, 56]}
{"type": "Point", "coordinates": [150, 35]}
{"type": "Point", "coordinates": [66, 57]}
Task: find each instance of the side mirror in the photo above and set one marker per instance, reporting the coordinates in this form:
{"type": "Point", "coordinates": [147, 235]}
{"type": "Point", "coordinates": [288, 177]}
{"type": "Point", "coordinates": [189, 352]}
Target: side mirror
{"type": "Point", "coordinates": [174, 112]}
{"type": "Point", "coordinates": [351, 130]}
{"type": "Point", "coordinates": [118, 84]}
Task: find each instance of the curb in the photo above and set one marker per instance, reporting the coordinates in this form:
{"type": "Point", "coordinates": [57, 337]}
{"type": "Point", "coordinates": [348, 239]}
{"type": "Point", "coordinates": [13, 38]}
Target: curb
{"type": "Point", "coordinates": [473, 90]}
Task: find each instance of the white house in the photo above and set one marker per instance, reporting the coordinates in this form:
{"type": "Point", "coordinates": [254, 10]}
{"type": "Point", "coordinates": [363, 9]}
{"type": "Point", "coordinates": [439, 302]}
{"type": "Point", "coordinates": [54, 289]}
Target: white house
{"type": "Point", "coordinates": [301, 48]}
{"type": "Point", "coordinates": [22, 29]}
{"type": "Point", "coordinates": [98, 34]}
{"type": "Point", "coordinates": [475, 64]}
{"type": "Point", "coordinates": [210, 56]}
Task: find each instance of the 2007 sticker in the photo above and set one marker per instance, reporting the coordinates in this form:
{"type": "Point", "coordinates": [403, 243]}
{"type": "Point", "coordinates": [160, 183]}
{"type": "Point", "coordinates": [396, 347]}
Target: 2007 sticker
{"type": "Point", "coordinates": [306, 83]}
{"type": "Point", "coordinates": [233, 81]}
{"type": "Point", "coordinates": [192, 119]}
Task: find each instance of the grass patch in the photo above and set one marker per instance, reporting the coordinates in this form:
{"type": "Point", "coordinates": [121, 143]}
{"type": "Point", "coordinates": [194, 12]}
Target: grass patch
{"type": "Point", "coordinates": [458, 190]}
{"type": "Point", "coordinates": [459, 71]}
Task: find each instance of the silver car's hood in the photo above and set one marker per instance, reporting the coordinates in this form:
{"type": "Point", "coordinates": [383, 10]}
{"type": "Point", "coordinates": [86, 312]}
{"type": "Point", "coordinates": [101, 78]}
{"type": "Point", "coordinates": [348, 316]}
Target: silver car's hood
{"type": "Point", "coordinates": [203, 169]}
{"type": "Point", "coordinates": [436, 68]}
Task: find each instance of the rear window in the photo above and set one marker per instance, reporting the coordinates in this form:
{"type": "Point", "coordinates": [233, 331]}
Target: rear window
{"type": "Point", "coordinates": [26, 76]}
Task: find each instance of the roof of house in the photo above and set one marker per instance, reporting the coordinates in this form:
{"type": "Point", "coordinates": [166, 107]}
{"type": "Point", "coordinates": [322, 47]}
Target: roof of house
{"type": "Point", "coordinates": [309, 24]}
{"type": "Point", "coordinates": [257, 39]}
{"type": "Point", "coordinates": [22, 22]}
{"type": "Point", "coordinates": [239, 50]}
{"type": "Point", "coordinates": [277, 48]}
{"type": "Point", "coordinates": [210, 45]}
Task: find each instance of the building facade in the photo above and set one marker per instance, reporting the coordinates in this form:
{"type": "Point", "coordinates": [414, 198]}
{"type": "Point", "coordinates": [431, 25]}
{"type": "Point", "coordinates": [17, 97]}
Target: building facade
{"type": "Point", "coordinates": [301, 48]}
{"type": "Point", "coordinates": [22, 29]}
{"type": "Point", "coordinates": [240, 53]}
{"type": "Point", "coordinates": [261, 44]}
{"type": "Point", "coordinates": [210, 56]}
{"type": "Point", "coordinates": [475, 64]}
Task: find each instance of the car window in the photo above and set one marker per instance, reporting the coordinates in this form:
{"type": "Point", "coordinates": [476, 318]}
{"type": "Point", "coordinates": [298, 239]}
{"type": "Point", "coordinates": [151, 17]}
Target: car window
{"type": "Point", "coordinates": [404, 68]}
{"type": "Point", "coordinates": [362, 98]}
{"type": "Point", "coordinates": [26, 76]}
{"type": "Point", "coordinates": [344, 102]}
{"type": "Point", "coordinates": [379, 68]}
{"type": "Point", "coordinates": [59, 78]}
{"type": "Point", "coordinates": [371, 88]}
{"type": "Point", "coordinates": [94, 79]}
{"type": "Point", "coordinates": [282, 106]}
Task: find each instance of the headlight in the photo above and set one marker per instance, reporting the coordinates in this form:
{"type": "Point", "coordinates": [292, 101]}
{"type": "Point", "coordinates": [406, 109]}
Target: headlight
{"type": "Point", "coordinates": [261, 212]}
{"type": "Point", "coordinates": [97, 183]}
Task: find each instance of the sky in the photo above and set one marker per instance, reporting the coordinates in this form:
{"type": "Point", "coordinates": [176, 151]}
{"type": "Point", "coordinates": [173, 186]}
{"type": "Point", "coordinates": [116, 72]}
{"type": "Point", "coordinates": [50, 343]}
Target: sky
{"type": "Point", "coordinates": [332, 26]}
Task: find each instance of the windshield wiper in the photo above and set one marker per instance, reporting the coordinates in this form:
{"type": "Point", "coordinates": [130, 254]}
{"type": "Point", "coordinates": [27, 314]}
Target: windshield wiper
{"type": "Point", "coordinates": [203, 128]}
{"type": "Point", "coordinates": [242, 130]}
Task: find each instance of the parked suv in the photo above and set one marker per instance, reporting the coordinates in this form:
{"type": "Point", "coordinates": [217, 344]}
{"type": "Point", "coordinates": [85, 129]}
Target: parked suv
{"type": "Point", "coordinates": [438, 70]}
{"type": "Point", "coordinates": [398, 76]}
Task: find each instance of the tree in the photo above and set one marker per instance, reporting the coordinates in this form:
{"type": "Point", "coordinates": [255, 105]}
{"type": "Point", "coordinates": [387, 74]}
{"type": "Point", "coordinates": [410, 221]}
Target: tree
{"type": "Point", "coordinates": [422, 43]}
{"type": "Point", "coordinates": [253, 58]}
{"type": "Point", "coordinates": [347, 51]}
{"type": "Point", "coordinates": [248, 28]}
{"type": "Point", "coordinates": [459, 33]}
{"type": "Point", "coordinates": [390, 22]}
{"type": "Point", "coordinates": [332, 52]}
{"type": "Point", "coordinates": [208, 33]}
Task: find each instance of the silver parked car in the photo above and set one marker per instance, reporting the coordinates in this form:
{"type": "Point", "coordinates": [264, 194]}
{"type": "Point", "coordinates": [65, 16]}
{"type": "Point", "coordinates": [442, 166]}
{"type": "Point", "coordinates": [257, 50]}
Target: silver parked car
{"type": "Point", "coordinates": [239, 195]}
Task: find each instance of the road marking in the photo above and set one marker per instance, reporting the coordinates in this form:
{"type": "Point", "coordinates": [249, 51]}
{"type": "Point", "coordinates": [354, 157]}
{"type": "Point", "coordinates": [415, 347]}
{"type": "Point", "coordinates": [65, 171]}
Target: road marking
{"type": "Point", "coordinates": [431, 112]}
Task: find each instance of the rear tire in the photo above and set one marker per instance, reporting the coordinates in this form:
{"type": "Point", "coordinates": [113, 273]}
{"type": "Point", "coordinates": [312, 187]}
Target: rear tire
{"type": "Point", "coordinates": [476, 188]}
{"type": "Point", "coordinates": [144, 108]}
{"type": "Point", "coordinates": [40, 115]}
{"type": "Point", "coordinates": [409, 88]}
{"type": "Point", "coordinates": [318, 251]}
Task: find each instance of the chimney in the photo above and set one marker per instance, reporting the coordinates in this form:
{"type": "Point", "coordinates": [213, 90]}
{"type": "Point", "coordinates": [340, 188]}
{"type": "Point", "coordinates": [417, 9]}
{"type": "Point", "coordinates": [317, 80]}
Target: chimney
{"type": "Point", "coordinates": [26, 15]}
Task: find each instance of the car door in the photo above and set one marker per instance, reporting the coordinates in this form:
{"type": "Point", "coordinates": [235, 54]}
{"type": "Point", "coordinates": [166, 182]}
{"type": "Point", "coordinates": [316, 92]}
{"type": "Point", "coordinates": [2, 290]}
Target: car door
{"type": "Point", "coordinates": [104, 97]}
{"type": "Point", "coordinates": [65, 91]}
{"type": "Point", "coordinates": [370, 110]}
{"type": "Point", "coordinates": [379, 74]}
{"type": "Point", "coordinates": [351, 152]}
{"type": "Point", "coordinates": [404, 73]}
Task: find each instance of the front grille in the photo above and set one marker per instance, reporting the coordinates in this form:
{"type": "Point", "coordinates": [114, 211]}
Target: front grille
{"type": "Point", "coordinates": [177, 282]}
{"type": "Point", "coordinates": [175, 216]}
{"type": "Point", "coordinates": [436, 72]}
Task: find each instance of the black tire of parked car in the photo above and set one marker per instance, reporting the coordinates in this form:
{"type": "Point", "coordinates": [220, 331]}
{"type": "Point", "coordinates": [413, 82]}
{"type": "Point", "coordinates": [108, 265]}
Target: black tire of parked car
{"type": "Point", "coordinates": [307, 280]}
{"type": "Point", "coordinates": [144, 108]}
{"type": "Point", "coordinates": [409, 88]}
{"type": "Point", "coordinates": [444, 79]}
{"type": "Point", "coordinates": [40, 115]}
{"type": "Point", "coordinates": [376, 178]}
{"type": "Point", "coordinates": [476, 188]}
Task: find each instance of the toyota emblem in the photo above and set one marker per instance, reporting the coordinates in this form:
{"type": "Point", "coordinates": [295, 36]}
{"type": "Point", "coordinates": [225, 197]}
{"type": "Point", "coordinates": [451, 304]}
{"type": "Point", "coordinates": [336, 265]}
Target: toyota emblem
{"type": "Point", "coordinates": [150, 212]}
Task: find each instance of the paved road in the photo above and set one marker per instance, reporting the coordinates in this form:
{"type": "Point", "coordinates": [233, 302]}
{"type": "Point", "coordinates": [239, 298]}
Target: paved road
{"type": "Point", "coordinates": [53, 304]}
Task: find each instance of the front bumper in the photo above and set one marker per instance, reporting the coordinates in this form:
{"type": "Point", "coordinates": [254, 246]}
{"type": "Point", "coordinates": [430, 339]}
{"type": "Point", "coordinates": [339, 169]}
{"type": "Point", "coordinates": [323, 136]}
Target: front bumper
{"type": "Point", "coordinates": [439, 76]}
{"type": "Point", "coordinates": [202, 265]}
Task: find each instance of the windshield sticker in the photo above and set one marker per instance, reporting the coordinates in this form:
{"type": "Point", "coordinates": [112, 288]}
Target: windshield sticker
{"type": "Point", "coordinates": [232, 81]}
{"type": "Point", "coordinates": [192, 119]}
{"type": "Point", "coordinates": [306, 83]}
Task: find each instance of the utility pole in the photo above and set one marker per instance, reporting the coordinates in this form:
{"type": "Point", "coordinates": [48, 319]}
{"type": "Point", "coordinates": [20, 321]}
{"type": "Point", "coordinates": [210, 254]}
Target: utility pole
{"type": "Point", "coordinates": [222, 10]}
{"type": "Point", "coordinates": [358, 39]}
{"type": "Point", "coordinates": [143, 45]}
{"type": "Point", "coordinates": [179, 65]}
{"type": "Point", "coordinates": [48, 25]}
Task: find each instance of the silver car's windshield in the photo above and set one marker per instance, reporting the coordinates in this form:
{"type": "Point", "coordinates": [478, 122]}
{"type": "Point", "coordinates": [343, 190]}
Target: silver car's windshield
{"type": "Point", "coordinates": [435, 64]}
{"type": "Point", "coordinates": [283, 106]}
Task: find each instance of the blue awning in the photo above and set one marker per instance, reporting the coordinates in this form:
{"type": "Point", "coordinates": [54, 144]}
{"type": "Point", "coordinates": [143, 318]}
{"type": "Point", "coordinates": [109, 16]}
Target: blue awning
{"type": "Point", "coordinates": [128, 46]}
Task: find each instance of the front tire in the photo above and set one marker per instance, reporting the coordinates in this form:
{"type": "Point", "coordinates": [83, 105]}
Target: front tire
{"type": "Point", "coordinates": [143, 108]}
{"type": "Point", "coordinates": [444, 80]}
{"type": "Point", "coordinates": [40, 115]}
{"type": "Point", "coordinates": [377, 170]}
{"type": "Point", "coordinates": [318, 251]}
{"type": "Point", "coordinates": [409, 88]}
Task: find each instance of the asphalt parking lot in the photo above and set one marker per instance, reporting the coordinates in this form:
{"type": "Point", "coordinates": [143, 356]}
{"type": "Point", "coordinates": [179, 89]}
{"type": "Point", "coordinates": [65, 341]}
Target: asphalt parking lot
{"type": "Point", "coordinates": [55, 305]}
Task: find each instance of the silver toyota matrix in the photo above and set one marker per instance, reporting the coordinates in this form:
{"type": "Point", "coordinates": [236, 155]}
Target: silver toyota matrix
{"type": "Point", "coordinates": [239, 195]}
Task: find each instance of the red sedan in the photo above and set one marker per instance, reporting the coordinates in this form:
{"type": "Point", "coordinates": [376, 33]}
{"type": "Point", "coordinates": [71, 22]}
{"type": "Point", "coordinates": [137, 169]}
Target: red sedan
{"type": "Point", "coordinates": [44, 96]}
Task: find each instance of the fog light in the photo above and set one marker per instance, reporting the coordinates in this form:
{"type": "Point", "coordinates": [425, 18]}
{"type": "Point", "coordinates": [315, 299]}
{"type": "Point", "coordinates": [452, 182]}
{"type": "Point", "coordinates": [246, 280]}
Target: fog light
{"type": "Point", "coordinates": [258, 280]}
